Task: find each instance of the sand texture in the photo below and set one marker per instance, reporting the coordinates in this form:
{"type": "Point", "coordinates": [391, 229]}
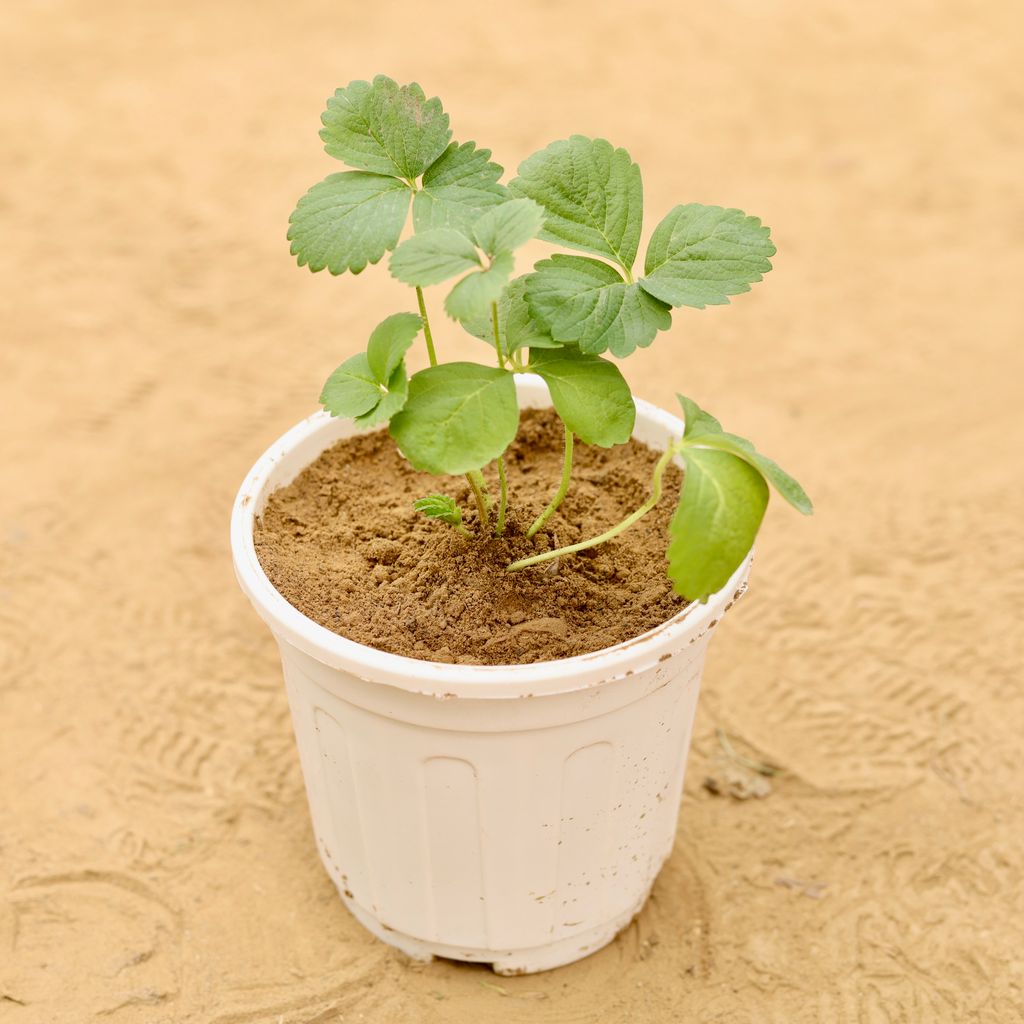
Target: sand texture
{"type": "Point", "coordinates": [156, 857]}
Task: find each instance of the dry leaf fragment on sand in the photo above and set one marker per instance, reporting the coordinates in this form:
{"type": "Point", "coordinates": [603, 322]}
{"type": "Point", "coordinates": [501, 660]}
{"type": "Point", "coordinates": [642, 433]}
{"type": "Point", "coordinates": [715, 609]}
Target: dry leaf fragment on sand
{"type": "Point", "coordinates": [815, 890]}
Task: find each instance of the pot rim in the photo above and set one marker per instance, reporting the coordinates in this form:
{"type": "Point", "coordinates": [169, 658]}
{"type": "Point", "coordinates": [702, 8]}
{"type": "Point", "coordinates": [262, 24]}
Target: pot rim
{"type": "Point", "coordinates": [440, 679]}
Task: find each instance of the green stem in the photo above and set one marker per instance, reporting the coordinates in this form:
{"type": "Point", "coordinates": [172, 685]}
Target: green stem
{"type": "Point", "coordinates": [478, 494]}
{"type": "Point", "coordinates": [497, 335]}
{"type": "Point", "coordinates": [563, 488]}
{"type": "Point", "coordinates": [571, 549]}
{"type": "Point", "coordinates": [428, 337]}
{"type": "Point", "coordinates": [503, 504]}
{"type": "Point", "coordinates": [502, 476]}
{"type": "Point", "coordinates": [481, 484]}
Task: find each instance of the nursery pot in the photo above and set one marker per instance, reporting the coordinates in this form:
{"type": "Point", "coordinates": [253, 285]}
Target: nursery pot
{"type": "Point", "coordinates": [513, 815]}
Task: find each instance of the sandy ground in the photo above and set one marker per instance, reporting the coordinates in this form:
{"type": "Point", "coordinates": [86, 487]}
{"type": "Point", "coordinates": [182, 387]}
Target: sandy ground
{"type": "Point", "coordinates": [156, 861]}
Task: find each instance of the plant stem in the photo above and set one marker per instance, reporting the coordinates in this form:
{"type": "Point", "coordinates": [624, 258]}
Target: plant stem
{"type": "Point", "coordinates": [481, 483]}
{"type": "Point", "coordinates": [659, 472]}
{"type": "Point", "coordinates": [502, 476]}
{"type": "Point", "coordinates": [503, 503]}
{"type": "Point", "coordinates": [497, 335]}
{"type": "Point", "coordinates": [427, 336]}
{"type": "Point", "coordinates": [481, 503]}
{"type": "Point", "coordinates": [563, 488]}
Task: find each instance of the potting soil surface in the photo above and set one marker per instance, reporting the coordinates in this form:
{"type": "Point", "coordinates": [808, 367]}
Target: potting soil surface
{"type": "Point", "coordinates": [156, 859]}
{"type": "Point", "coordinates": [343, 543]}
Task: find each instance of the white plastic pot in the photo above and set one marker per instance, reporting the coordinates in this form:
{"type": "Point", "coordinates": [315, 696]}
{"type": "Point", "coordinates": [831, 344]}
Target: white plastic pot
{"type": "Point", "coordinates": [511, 815]}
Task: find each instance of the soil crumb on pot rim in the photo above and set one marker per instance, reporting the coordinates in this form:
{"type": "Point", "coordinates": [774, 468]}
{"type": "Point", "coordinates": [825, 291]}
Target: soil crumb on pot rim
{"type": "Point", "coordinates": [343, 544]}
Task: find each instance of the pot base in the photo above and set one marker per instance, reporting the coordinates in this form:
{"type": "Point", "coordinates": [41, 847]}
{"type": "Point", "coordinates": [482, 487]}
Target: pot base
{"type": "Point", "coordinates": [506, 962]}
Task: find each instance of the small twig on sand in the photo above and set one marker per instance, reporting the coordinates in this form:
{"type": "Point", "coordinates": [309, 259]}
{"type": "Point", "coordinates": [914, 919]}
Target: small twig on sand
{"type": "Point", "coordinates": [761, 767]}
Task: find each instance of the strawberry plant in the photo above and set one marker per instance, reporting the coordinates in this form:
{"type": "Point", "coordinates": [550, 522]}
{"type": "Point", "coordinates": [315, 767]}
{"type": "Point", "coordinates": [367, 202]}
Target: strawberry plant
{"type": "Point", "coordinates": [559, 320]}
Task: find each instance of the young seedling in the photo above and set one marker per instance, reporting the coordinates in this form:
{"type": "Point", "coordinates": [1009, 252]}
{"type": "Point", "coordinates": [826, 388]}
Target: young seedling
{"type": "Point", "coordinates": [557, 321]}
{"type": "Point", "coordinates": [443, 509]}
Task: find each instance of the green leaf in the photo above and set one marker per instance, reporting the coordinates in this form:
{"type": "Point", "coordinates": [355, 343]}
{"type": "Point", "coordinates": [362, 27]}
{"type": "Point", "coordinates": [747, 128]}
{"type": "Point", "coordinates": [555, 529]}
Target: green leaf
{"type": "Point", "coordinates": [433, 256]}
{"type": "Point", "coordinates": [440, 506]}
{"type": "Point", "coordinates": [389, 342]}
{"type": "Point", "coordinates": [586, 302]}
{"type": "Point", "coordinates": [391, 401]}
{"type": "Point", "coordinates": [518, 329]}
{"type": "Point", "coordinates": [704, 430]}
{"type": "Point", "coordinates": [385, 128]}
{"type": "Point", "coordinates": [696, 420]}
{"type": "Point", "coordinates": [459, 417]}
{"type": "Point", "coordinates": [457, 188]}
{"type": "Point", "coordinates": [351, 390]}
{"type": "Point", "coordinates": [590, 394]}
{"type": "Point", "coordinates": [771, 471]}
{"type": "Point", "coordinates": [473, 295]}
{"type": "Point", "coordinates": [348, 220]}
{"type": "Point", "coordinates": [508, 226]}
{"type": "Point", "coordinates": [592, 194]}
{"type": "Point", "coordinates": [372, 386]}
{"type": "Point", "coordinates": [700, 255]}
{"type": "Point", "coordinates": [714, 525]}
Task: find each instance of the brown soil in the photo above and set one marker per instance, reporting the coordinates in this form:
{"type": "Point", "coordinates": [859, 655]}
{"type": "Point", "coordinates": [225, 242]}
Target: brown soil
{"type": "Point", "coordinates": [343, 544]}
